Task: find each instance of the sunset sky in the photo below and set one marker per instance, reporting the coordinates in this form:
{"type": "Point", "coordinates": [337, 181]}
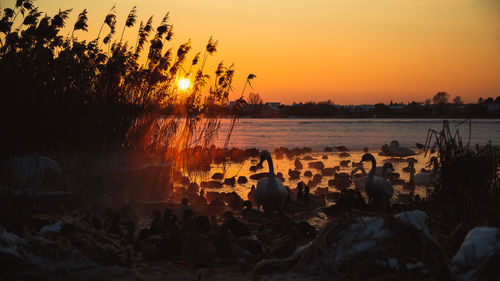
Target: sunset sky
{"type": "Point", "coordinates": [348, 51]}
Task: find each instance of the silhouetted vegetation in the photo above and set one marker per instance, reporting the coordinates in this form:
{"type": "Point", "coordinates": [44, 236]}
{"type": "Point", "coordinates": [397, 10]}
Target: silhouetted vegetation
{"type": "Point", "coordinates": [437, 107]}
{"type": "Point", "coordinates": [312, 109]}
{"type": "Point", "coordinates": [62, 94]}
{"type": "Point", "coordinates": [466, 184]}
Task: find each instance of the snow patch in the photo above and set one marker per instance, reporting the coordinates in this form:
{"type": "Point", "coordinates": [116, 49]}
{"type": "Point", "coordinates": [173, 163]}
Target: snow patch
{"type": "Point", "coordinates": [479, 244]}
{"type": "Point", "coordinates": [416, 219]}
{"type": "Point", "coordinates": [54, 228]}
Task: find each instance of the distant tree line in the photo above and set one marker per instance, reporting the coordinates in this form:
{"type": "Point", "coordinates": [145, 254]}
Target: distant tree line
{"type": "Point", "coordinates": [440, 105]}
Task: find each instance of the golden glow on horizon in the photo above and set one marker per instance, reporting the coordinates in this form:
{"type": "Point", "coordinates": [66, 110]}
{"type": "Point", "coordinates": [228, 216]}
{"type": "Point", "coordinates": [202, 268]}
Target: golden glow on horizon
{"type": "Point", "coordinates": [362, 51]}
{"type": "Point", "coordinates": [184, 84]}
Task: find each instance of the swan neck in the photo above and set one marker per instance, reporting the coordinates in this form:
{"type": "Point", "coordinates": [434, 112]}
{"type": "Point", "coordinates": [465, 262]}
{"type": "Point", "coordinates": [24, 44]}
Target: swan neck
{"type": "Point", "coordinates": [374, 167]}
{"type": "Point", "coordinates": [271, 166]}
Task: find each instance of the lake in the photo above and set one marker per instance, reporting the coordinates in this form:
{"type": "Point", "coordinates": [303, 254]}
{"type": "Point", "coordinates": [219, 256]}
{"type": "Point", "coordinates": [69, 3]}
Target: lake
{"type": "Point", "coordinates": [353, 133]}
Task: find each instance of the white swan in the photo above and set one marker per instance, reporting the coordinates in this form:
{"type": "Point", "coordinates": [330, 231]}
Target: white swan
{"type": "Point", "coordinates": [381, 171]}
{"type": "Point", "coordinates": [359, 182]}
{"type": "Point", "coordinates": [394, 150]}
{"type": "Point", "coordinates": [379, 190]}
{"type": "Point", "coordinates": [270, 192]}
{"type": "Point", "coordinates": [424, 177]}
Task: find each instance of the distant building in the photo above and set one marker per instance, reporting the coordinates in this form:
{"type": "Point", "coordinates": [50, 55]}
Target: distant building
{"type": "Point", "coordinates": [366, 108]}
{"type": "Point", "coordinates": [492, 108]}
{"type": "Point", "coordinates": [275, 106]}
{"type": "Point", "coordinates": [396, 108]}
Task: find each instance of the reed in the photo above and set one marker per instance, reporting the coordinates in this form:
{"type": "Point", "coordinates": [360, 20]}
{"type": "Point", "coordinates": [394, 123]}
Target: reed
{"type": "Point", "coordinates": [63, 95]}
{"type": "Point", "coordinates": [466, 188]}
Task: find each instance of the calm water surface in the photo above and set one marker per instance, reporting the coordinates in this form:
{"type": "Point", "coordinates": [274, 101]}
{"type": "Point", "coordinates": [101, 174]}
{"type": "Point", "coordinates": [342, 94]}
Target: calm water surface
{"type": "Point", "coordinates": [353, 133]}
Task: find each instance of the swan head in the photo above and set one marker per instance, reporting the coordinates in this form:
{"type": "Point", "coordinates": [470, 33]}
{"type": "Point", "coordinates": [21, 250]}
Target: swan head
{"type": "Point", "coordinates": [367, 157]}
{"type": "Point", "coordinates": [264, 155]}
{"type": "Point", "coordinates": [356, 169]}
{"type": "Point", "coordinates": [388, 166]}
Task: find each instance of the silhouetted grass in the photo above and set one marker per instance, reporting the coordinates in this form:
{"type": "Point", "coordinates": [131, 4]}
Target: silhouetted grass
{"type": "Point", "coordinates": [60, 94]}
{"type": "Point", "coordinates": [467, 187]}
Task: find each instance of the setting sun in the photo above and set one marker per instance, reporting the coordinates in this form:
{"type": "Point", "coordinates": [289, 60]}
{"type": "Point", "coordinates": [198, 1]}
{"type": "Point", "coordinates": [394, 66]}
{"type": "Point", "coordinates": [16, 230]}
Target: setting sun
{"type": "Point", "coordinates": [176, 135]}
{"type": "Point", "coordinates": [184, 84]}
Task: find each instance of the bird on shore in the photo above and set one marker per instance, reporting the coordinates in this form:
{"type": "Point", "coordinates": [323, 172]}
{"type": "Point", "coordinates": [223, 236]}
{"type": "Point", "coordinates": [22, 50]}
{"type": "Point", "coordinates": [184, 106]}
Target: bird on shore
{"type": "Point", "coordinates": [379, 190]}
{"type": "Point", "coordinates": [270, 192]}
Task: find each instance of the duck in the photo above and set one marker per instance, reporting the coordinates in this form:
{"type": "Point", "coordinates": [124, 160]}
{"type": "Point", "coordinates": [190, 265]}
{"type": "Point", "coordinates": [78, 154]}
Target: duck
{"type": "Point", "coordinates": [298, 165]}
{"type": "Point", "coordinates": [270, 192]}
{"type": "Point", "coordinates": [378, 190]}
{"type": "Point", "coordinates": [294, 174]}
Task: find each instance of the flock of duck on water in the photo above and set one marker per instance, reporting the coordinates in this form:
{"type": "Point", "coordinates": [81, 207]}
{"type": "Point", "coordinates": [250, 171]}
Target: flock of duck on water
{"type": "Point", "coordinates": [213, 224]}
{"type": "Point", "coordinates": [271, 194]}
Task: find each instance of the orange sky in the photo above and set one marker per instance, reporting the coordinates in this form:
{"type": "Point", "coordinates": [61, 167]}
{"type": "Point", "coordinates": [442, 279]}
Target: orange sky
{"type": "Point", "coordinates": [348, 51]}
